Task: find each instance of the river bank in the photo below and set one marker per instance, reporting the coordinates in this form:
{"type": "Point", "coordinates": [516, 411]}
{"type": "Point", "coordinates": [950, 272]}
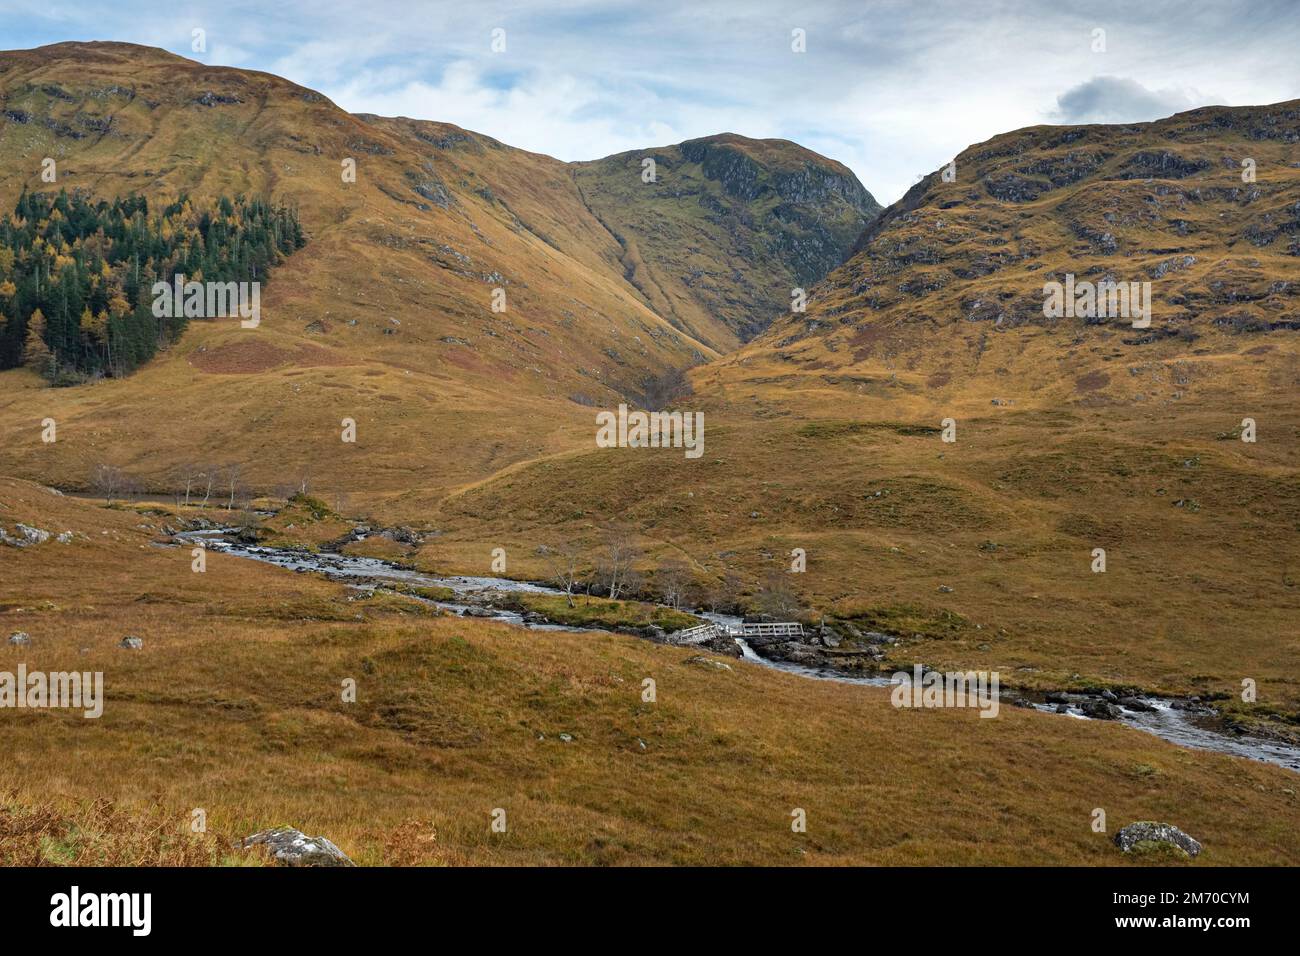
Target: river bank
{"type": "Point", "coordinates": [1188, 722]}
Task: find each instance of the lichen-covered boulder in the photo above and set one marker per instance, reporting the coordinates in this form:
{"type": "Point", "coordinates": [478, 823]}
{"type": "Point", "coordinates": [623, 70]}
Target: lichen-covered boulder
{"type": "Point", "coordinates": [290, 847]}
{"type": "Point", "coordinates": [1147, 835]}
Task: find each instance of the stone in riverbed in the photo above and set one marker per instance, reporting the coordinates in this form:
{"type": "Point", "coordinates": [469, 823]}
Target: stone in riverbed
{"type": "Point", "coordinates": [1134, 703]}
{"type": "Point", "coordinates": [722, 645]}
{"type": "Point", "coordinates": [1100, 710]}
{"type": "Point", "coordinates": [290, 847]}
{"type": "Point", "coordinates": [1147, 835]}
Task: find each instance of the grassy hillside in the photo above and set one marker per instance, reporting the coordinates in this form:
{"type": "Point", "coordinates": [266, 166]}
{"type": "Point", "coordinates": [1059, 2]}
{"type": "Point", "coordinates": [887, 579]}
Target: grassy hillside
{"type": "Point", "coordinates": [824, 433]}
{"type": "Point", "coordinates": [233, 705]}
{"type": "Point", "coordinates": [727, 229]}
{"type": "Point", "coordinates": [387, 318]}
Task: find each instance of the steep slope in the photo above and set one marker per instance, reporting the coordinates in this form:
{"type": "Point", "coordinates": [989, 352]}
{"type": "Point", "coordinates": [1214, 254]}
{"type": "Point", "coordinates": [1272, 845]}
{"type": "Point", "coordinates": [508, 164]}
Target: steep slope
{"type": "Point", "coordinates": [386, 317]}
{"type": "Point", "coordinates": [946, 289]}
{"type": "Point", "coordinates": [727, 227]}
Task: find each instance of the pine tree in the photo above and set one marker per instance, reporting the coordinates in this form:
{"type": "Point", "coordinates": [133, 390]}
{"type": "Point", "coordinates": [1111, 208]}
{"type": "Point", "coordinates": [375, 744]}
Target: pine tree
{"type": "Point", "coordinates": [36, 354]}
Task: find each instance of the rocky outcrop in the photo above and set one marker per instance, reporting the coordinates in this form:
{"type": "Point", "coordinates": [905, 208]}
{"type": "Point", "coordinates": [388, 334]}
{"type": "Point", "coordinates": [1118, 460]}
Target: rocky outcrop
{"type": "Point", "coordinates": [24, 536]}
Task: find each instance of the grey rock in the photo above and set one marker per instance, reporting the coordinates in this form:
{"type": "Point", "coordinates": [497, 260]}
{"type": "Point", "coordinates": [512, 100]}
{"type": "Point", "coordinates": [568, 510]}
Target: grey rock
{"type": "Point", "coordinates": [131, 643]}
{"type": "Point", "coordinates": [290, 847]}
{"type": "Point", "coordinates": [1100, 710]}
{"type": "Point", "coordinates": [722, 645]}
{"type": "Point", "coordinates": [1135, 835]}
{"type": "Point", "coordinates": [1134, 703]}
{"type": "Point", "coordinates": [20, 638]}
{"type": "Point", "coordinates": [795, 653]}
{"type": "Point", "coordinates": [32, 535]}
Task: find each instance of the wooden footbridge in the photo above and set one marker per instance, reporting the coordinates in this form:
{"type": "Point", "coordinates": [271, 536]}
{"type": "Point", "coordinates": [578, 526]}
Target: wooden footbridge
{"type": "Point", "coordinates": [706, 632]}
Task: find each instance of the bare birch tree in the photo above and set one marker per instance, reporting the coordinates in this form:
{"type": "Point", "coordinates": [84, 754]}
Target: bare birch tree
{"type": "Point", "coordinates": [616, 559]}
{"type": "Point", "coordinates": [565, 564]}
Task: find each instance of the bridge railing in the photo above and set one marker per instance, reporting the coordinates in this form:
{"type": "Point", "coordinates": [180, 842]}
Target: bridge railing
{"type": "Point", "coordinates": [704, 632]}
{"type": "Point", "coordinates": [697, 634]}
{"type": "Point", "coordinates": [773, 629]}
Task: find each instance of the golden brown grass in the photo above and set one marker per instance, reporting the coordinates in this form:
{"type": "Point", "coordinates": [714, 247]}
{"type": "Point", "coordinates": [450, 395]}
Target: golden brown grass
{"type": "Point", "coordinates": [234, 706]}
{"type": "Point", "coordinates": [1194, 599]}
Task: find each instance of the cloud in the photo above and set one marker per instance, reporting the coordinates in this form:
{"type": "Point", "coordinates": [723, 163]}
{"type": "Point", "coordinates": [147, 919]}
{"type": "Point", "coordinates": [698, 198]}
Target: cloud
{"type": "Point", "coordinates": [1120, 99]}
{"type": "Point", "coordinates": [892, 88]}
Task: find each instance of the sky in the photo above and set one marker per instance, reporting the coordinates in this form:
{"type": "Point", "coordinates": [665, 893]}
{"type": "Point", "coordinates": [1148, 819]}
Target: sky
{"type": "Point", "coordinates": [891, 88]}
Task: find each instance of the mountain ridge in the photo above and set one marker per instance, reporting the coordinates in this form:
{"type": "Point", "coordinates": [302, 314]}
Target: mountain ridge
{"type": "Point", "coordinates": [387, 314]}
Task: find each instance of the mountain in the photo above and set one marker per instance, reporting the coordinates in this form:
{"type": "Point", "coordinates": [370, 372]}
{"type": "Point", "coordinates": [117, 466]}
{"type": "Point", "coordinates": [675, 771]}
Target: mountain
{"type": "Point", "coordinates": [727, 229]}
{"type": "Point", "coordinates": [386, 315]}
{"type": "Point", "coordinates": [825, 433]}
{"type": "Point", "coordinates": [946, 288]}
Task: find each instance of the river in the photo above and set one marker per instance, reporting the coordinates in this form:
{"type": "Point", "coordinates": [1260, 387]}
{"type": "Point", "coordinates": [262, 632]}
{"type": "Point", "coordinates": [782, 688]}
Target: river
{"type": "Point", "coordinates": [1189, 726]}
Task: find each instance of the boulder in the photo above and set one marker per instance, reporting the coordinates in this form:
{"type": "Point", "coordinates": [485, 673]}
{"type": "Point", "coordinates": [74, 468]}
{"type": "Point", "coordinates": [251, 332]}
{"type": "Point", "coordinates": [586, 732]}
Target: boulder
{"type": "Point", "coordinates": [290, 847]}
{"type": "Point", "coordinates": [131, 643]}
{"type": "Point", "coordinates": [1136, 704]}
{"type": "Point", "coordinates": [1100, 710]}
{"type": "Point", "coordinates": [1146, 835]}
{"type": "Point", "coordinates": [20, 638]}
{"type": "Point", "coordinates": [32, 535]}
{"type": "Point", "coordinates": [795, 653]}
{"type": "Point", "coordinates": [723, 645]}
